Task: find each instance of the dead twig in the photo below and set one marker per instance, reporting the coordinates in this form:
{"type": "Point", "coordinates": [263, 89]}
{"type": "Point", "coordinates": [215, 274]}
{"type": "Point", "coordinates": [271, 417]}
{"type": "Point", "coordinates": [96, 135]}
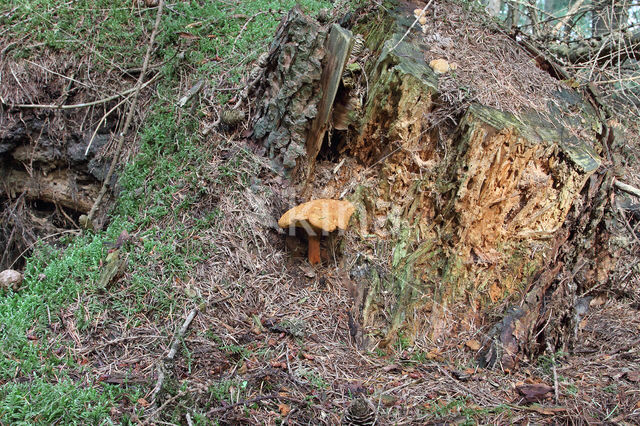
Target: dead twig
{"type": "Point", "coordinates": [104, 117]}
{"type": "Point", "coordinates": [626, 188]}
{"type": "Point", "coordinates": [87, 104]}
{"type": "Point", "coordinates": [244, 27]}
{"type": "Point", "coordinates": [172, 353]}
{"type": "Point", "coordinates": [132, 109]}
{"type": "Point", "coordinates": [412, 25]}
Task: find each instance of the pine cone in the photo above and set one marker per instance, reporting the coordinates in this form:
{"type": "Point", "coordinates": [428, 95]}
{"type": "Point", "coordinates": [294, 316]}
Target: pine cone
{"type": "Point", "coordinates": [359, 413]}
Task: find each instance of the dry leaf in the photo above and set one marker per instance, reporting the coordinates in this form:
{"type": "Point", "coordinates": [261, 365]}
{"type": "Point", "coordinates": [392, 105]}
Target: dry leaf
{"type": "Point", "coordinates": [473, 344]}
{"type": "Point", "coordinates": [633, 376]}
{"type": "Point", "coordinates": [434, 355]}
{"type": "Point", "coordinates": [535, 392]}
{"type": "Point", "coordinates": [309, 272]}
{"type": "Point", "coordinates": [183, 34]}
{"type": "Point", "coordinates": [284, 409]}
{"type": "Point", "coordinates": [390, 367]}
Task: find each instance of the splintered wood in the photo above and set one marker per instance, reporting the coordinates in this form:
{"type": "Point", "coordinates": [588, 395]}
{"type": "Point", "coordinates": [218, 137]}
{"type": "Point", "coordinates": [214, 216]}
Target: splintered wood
{"type": "Point", "coordinates": [467, 196]}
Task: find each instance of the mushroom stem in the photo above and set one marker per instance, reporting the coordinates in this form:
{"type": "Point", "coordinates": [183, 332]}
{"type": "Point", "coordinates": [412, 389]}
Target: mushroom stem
{"type": "Point", "coordinates": [314, 249]}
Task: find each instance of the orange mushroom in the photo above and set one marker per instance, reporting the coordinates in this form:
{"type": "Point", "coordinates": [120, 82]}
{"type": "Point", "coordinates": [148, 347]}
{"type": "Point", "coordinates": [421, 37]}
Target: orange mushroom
{"type": "Point", "coordinates": [318, 217]}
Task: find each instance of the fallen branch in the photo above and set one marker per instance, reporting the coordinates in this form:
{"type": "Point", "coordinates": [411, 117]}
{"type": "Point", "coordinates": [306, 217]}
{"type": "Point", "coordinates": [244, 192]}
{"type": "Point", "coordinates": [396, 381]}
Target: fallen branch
{"type": "Point", "coordinates": [172, 353]}
{"type": "Point", "coordinates": [250, 401]}
{"type": "Point", "coordinates": [244, 27]}
{"type": "Point", "coordinates": [626, 188]}
{"type": "Point", "coordinates": [86, 104]}
{"type": "Point", "coordinates": [129, 118]}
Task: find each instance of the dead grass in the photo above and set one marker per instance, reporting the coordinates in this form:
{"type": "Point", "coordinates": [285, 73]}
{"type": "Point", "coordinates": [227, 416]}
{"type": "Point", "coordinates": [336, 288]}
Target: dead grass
{"type": "Point", "coordinates": [272, 340]}
{"type": "Point", "coordinates": [492, 69]}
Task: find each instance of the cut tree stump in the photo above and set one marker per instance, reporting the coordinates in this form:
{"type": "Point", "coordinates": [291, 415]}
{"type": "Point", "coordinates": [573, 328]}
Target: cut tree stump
{"type": "Point", "coordinates": [481, 216]}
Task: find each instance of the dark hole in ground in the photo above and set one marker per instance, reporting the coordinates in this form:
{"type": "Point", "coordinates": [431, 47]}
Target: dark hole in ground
{"type": "Point", "coordinates": [24, 222]}
{"type": "Point", "coordinates": [332, 145]}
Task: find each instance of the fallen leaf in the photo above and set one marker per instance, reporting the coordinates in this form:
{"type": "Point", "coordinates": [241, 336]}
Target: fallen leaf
{"type": "Point", "coordinates": [597, 301]}
{"type": "Point", "coordinates": [276, 364]}
{"type": "Point", "coordinates": [309, 272]}
{"type": "Point", "coordinates": [284, 409]}
{"type": "Point", "coordinates": [534, 392]}
{"type": "Point", "coordinates": [633, 376]}
{"type": "Point", "coordinates": [388, 400]}
{"type": "Point", "coordinates": [434, 355]}
{"type": "Point", "coordinates": [183, 34]}
{"type": "Point", "coordinates": [473, 344]}
{"type": "Point", "coordinates": [391, 367]}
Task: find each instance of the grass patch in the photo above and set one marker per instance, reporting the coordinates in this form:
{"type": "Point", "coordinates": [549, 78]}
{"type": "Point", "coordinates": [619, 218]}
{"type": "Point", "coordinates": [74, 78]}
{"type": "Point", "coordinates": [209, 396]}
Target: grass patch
{"type": "Point", "coordinates": [42, 379]}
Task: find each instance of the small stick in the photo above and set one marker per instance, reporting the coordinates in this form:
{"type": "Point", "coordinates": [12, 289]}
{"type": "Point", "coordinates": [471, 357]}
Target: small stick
{"type": "Point", "coordinates": [191, 93]}
{"type": "Point", "coordinates": [104, 117]}
{"type": "Point", "coordinates": [555, 381]}
{"type": "Point", "coordinates": [244, 27]}
{"type": "Point", "coordinates": [132, 107]}
{"type": "Point", "coordinates": [626, 188]}
{"type": "Point", "coordinates": [172, 353]}
{"type": "Point", "coordinates": [412, 25]}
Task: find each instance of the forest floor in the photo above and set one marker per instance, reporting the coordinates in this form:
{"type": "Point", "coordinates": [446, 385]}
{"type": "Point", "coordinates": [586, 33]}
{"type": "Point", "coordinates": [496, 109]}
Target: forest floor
{"type": "Point", "coordinates": [269, 339]}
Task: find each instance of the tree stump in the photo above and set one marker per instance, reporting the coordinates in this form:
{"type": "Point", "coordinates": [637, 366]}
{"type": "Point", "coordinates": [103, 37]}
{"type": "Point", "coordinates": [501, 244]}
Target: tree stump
{"type": "Point", "coordinates": [471, 200]}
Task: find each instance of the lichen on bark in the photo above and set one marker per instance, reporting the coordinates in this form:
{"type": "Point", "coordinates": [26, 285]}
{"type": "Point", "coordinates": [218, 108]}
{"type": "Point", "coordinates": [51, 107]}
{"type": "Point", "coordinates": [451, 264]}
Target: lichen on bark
{"type": "Point", "coordinates": [288, 94]}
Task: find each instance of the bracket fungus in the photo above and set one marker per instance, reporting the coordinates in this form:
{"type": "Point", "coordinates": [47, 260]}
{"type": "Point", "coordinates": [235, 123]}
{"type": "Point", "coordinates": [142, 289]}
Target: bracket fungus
{"type": "Point", "coordinates": [318, 217]}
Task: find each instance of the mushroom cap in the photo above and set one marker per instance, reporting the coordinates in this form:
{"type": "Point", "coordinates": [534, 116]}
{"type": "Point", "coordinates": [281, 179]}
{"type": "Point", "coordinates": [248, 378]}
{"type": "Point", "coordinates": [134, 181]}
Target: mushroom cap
{"type": "Point", "coordinates": [321, 215]}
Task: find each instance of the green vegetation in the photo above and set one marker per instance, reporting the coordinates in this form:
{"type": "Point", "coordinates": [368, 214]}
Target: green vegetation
{"type": "Point", "coordinates": [39, 369]}
{"type": "Point", "coordinates": [465, 413]}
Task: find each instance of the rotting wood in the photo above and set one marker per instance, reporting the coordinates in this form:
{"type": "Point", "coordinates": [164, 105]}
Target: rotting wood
{"type": "Point", "coordinates": [57, 187]}
{"type": "Point", "coordinates": [472, 210]}
{"type": "Point", "coordinates": [338, 46]}
{"type": "Point", "coordinates": [287, 93]}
